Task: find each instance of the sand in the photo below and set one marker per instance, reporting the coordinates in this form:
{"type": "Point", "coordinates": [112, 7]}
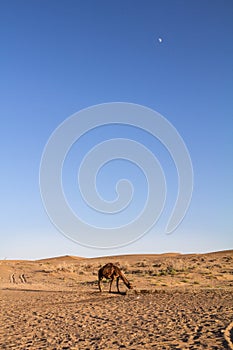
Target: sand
{"type": "Point", "coordinates": [178, 302]}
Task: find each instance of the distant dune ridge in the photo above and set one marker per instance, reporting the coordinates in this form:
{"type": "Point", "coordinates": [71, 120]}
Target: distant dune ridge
{"type": "Point", "coordinates": [178, 301]}
{"type": "Point", "coordinates": [62, 258]}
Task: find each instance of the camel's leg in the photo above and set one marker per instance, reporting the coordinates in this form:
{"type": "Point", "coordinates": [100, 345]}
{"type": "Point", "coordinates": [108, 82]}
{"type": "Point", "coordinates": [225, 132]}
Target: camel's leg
{"type": "Point", "coordinates": [110, 288]}
{"type": "Point", "coordinates": [117, 283]}
{"type": "Point", "coordinates": [99, 285]}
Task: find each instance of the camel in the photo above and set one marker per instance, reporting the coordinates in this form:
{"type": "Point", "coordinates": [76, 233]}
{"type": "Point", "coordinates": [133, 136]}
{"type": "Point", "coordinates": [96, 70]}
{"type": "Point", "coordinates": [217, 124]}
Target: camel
{"type": "Point", "coordinates": [111, 271]}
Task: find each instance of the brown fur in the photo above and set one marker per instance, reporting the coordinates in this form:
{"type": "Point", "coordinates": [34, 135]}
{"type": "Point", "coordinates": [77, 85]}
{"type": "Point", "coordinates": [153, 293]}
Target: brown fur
{"type": "Point", "coordinates": [111, 271]}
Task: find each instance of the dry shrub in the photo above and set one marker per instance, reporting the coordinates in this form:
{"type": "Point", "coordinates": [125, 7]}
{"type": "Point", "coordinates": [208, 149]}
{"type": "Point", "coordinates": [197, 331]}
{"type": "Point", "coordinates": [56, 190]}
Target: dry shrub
{"type": "Point", "coordinates": [143, 263]}
{"type": "Point", "coordinates": [125, 267]}
{"type": "Point", "coordinates": [71, 268]}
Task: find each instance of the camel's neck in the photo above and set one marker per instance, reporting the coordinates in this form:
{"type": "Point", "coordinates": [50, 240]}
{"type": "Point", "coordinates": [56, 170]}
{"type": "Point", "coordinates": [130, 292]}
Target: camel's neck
{"type": "Point", "coordinates": [124, 279]}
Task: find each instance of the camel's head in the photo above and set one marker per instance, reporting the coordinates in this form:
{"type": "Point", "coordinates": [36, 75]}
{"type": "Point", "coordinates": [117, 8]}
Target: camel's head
{"type": "Point", "coordinates": [129, 285]}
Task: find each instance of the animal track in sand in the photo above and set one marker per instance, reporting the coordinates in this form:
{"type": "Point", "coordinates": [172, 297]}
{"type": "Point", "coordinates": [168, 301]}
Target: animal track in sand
{"type": "Point", "coordinates": [21, 278]}
{"type": "Point", "coordinates": [228, 335]}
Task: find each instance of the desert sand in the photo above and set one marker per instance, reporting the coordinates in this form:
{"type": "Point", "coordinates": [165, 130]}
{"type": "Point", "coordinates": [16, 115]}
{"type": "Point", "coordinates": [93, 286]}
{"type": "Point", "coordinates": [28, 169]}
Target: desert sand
{"type": "Point", "coordinates": [177, 302]}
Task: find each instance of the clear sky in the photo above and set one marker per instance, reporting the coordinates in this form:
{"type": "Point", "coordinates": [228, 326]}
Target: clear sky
{"type": "Point", "coordinates": [58, 57]}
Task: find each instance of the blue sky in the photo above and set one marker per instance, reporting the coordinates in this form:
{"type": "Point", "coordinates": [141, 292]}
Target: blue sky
{"type": "Point", "coordinates": [58, 57]}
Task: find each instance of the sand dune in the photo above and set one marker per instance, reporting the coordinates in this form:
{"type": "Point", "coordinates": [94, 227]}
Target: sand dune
{"type": "Point", "coordinates": [66, 258]}
{"type": "Point", "coordinates": [178, 302]}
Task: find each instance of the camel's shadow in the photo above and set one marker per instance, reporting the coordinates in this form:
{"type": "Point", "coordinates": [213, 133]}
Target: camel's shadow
{"type": "Point", "coordinates": [120, 293]}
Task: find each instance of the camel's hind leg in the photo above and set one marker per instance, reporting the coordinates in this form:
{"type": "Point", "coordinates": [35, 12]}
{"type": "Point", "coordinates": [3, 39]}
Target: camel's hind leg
{"type": "Point", "coordinates": [99, 285]}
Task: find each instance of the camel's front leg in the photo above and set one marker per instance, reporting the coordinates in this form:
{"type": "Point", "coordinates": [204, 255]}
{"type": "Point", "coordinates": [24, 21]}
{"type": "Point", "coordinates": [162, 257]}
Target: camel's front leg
{"type": "Point", "coordinates": [110, 288]}
{"type": "Point", "coordinates": [117, 283]}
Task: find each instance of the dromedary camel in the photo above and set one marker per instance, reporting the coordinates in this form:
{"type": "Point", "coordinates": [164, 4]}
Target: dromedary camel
{"type": "Point", "coordinates": [111, 271]}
